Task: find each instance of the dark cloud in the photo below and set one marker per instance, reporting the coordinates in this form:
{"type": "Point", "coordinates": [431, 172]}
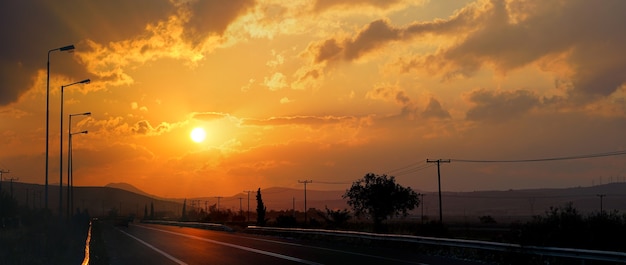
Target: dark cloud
{"type": "Point", "coordinates": [588, 31]}
{"type": "Point", "coordinates": [510, 35]}
{"type": "Point", "coordinates": [368, 39]}
{"type": "Point", "coordinates": [14, 80]}
{"type": "Point", "coordinates": [322, 5]}
{"type": "Point", "coordinates": [392, 93]}
{"type": "Point", "coordinates": [500, 106]}
{"type": "Point", "coordinates": [30, 28]}
{"type": "Point", "coordinates": [434, 110]}
{"type": "Point", "coordinates": [212, 17]}
{"type": "Point", "coordinates": [143, 127]}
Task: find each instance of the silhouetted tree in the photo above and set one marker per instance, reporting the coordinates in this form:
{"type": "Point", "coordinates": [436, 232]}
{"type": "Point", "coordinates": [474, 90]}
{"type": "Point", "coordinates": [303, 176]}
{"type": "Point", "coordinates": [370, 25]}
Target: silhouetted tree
{"type": "Point", "coordinates": [336, 218]}
{"type": "Point", "coordinates": [380, 197]}
{"type": "Point", "coordinates": [8, 207]}
{"type": "Point", "coordinates": [260, 209]}
{"type": "Point", "coordinates": [285, 220]}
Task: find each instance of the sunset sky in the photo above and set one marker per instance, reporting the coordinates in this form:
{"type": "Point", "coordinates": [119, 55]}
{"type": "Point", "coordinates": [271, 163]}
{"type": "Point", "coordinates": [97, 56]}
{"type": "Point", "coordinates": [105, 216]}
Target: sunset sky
{"type": "Point", "coordinates": [324, 90]}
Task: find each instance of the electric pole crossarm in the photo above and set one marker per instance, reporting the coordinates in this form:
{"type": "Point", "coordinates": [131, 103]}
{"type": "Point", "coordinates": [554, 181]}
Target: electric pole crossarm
{"type": "Point", "coordinates": [305, 209]}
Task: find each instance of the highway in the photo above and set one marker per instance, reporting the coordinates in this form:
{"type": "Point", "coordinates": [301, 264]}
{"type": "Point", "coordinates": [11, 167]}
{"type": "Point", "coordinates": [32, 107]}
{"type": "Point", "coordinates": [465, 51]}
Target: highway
{"type": "Point", "coordinates": [160, 244]}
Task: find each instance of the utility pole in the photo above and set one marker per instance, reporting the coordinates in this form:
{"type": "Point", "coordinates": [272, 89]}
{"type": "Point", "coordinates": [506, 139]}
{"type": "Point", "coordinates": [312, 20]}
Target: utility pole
{"type": "Point", "coordinates": [248, 191]}
{"type": "Point", "coordinates": [218, 203]}
{"type": "Point", "coordinates": [601, 206]}
{"type": "Point", "coordinates": [439, 161]}
{"type": "Point", "coordinates": [11, 185]}
{"type": "Point", "coordinates": [422, 195]}
{"type": "Point", "coordinates": [240, 209]}
{"type": "Point", "coordinates": [305, 209]}
{"type": "Point", "coordinates": [2, 171]}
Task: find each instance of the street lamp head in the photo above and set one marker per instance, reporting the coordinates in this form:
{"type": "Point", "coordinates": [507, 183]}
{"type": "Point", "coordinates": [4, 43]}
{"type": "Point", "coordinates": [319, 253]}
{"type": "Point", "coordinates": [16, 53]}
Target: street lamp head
{"type": "Point", "coordinates": [87, 113]}
{"type": "Point", "coordinates": [86, 81]}
{"type": "Point", "coordinates": [67, 48]}
{"type": "Point", "coordinates": [84, 132]}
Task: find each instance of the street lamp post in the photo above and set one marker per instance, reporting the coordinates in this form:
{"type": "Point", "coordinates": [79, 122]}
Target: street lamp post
{"type": "Point", "coordinates": [70, 180]}
{"type": "Point", "coordinates": [64, 48]}
{"type": "Point", "coordinates": [86, 81]}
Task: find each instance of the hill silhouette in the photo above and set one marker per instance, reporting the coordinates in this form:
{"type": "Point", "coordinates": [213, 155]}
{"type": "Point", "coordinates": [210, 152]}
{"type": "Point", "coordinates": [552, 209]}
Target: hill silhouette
{"type": "Point", "coordinates": [128, 187]}
{"type": "Point", "coordinates": [100, 201]}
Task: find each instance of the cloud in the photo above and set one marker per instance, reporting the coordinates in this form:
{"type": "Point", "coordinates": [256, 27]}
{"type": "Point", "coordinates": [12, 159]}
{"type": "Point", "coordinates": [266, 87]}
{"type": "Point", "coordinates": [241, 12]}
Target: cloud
{"type": "Point", "coordinates": [285, 100]}
{"type": "Point", "coordinates": [373, 36]}
{"type": "Point", "coordinates": [209, 116]}
{"type": "Point", "coordinates": [394, 94]}
{"type": "Point", "coordinates": [360, 5]}
{"type": "Point", "coordinates": [434, 110]}
{"type": "Point", "coordinates": [379, 33]}
{"type": "Point", "coordinates": [212, 17]}
{"type": "Point", "coordinates": [276, 82]}
{"type": "Point", "coordinates": [298, 120]}
{"type": "Point", "coordinates": [507, 35]}
{"type": "Point", "coordinates": [52, 25]}
{"type": "Point", "coordinates": [500, 106]}
{"type": "Point", "coordinates": [143, 127]}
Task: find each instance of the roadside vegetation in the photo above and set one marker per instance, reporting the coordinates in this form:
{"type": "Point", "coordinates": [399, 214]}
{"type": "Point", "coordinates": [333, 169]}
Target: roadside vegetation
{"type": "Point", "coordinates": [374, 211]}
{"type": "Point", "coordinates": [35, 236]}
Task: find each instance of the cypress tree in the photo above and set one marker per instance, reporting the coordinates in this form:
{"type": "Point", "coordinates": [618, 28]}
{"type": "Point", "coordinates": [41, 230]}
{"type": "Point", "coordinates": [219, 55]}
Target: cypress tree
{"type": "Point", "coordinates": [260, 209]}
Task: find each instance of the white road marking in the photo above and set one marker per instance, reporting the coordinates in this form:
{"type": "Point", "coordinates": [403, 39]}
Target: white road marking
{"type": "Point", "coordinates": [156, 249]}
{"type": "Point", "coordinates": [272, 254]}
{"type": "Point", "coordinates": [332, 250]}
{"type": "Point", "coordinates": [87, 243]}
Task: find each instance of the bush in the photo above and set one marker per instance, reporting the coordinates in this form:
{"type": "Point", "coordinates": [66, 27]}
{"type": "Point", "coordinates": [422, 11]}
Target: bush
{"type": "Point", "coordinates": [566, 227]}
{"type": "Point", "coordinates": [286, 221]}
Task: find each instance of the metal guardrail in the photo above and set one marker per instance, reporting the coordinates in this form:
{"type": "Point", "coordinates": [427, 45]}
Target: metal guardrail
{"type": "Point", "coordinates": [581, 254]}
{"type": "Point", "coordinates": [209, 226]}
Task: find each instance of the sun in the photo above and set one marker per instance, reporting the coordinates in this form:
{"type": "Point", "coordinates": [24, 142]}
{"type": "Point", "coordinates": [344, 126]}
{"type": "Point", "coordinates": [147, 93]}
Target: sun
{"type": "Point", "coordinates": [197, 135]}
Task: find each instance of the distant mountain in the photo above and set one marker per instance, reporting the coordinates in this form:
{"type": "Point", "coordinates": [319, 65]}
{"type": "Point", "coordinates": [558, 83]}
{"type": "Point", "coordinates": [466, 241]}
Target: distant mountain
{"type": "Point", "coordinates": [511, 204]}
{"type": "Point", "coordinates": [99, 201]}
{"type": "Point", "coordinates": [128, 187]}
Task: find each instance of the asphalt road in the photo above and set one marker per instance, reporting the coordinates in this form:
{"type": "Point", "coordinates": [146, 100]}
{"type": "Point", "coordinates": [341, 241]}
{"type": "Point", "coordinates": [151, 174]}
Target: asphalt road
{"type": "Point", "coordinates": [159, 244]}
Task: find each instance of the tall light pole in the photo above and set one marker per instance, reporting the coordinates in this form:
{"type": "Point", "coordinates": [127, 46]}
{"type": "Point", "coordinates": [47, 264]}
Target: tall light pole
{"type": "Point", "coordinates": [86, 81]}
{"type": "Point", "coordinates": [64, 48]}
{"type": "Point", "coordinates": [70, 180]}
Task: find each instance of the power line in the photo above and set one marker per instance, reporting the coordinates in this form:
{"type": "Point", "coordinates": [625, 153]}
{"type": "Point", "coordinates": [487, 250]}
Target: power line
{"type": "Point", "coordinates": [615, 153]}
{"type": "Point", "coordinates": [413, 170]}
{"type": "Point", "coordinates": [410, 168]}
{"type": "Point", "coordinates": [405, 167]}
{"type": "Point", "coordinates": [332, 183]}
